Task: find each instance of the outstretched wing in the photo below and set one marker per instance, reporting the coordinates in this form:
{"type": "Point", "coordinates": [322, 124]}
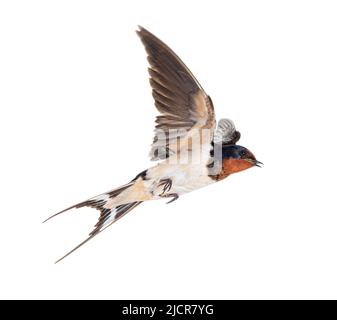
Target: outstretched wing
{"type": "Point", "coordinates": [184, 106]}
{"type": "Point", "coordinates": [226, 133]}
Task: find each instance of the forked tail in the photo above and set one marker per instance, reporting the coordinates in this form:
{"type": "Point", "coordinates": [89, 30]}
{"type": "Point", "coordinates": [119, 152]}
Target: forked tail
{"type": "Point", "coordinates": [109, 213]}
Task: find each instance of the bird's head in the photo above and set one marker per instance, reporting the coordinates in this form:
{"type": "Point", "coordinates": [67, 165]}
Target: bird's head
{"type": "Point", "coordinates": [237, 158]}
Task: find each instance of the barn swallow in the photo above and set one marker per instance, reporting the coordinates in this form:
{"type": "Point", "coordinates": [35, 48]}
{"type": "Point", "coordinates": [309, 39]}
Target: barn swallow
{"type": "Point", "coordinates": [192, 150]}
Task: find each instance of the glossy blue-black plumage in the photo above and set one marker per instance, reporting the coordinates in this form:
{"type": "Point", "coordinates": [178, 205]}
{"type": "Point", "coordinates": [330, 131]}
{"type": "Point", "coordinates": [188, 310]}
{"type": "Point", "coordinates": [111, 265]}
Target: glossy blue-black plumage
{"type": "Point", "coordinates": [235, 152]}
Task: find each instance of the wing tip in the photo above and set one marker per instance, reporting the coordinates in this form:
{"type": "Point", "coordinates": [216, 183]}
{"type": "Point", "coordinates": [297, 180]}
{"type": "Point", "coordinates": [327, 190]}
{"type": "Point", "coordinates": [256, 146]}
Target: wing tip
{"type": "Point", "coordinates": [143, 34]}
{"type": "Point", "coordinates": [140, 31]}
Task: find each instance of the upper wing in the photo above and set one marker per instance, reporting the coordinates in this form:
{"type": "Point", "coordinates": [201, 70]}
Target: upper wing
{"type": "Point", "coordinates": [226, 133]}
{"type": "Point", "coordinates": [184, 106]}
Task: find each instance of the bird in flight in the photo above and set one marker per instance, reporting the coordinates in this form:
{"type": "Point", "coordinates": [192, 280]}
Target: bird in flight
{"type": "Point", "coordinates": [192, 150]}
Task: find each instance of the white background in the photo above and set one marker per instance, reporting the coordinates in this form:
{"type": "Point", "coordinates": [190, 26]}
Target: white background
{"type": "Point", "coordinates": [76, 119]}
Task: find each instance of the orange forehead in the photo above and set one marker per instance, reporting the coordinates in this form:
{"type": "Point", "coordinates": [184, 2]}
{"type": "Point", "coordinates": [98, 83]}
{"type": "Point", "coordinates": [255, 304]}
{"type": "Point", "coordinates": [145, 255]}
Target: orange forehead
{"type": "Point", "coordinates": [235, 165]}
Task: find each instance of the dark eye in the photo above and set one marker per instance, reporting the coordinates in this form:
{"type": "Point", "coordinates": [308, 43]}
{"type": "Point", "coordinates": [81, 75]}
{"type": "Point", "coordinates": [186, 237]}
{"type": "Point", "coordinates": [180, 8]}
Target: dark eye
{"type": "Point", "coordinates": [242, 153]}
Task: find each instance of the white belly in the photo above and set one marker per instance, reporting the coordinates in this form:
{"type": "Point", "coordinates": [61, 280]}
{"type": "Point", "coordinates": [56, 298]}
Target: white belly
{"type": "Point", "coordinates": [185, 178]}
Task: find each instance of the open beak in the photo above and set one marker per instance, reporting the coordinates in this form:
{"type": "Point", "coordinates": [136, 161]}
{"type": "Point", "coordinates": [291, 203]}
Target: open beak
{"type": "Point", "coordinates": [258, 163]}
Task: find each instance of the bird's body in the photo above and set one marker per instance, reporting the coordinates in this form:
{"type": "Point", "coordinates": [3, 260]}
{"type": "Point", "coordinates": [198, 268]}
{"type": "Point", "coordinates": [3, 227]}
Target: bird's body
{"type": "Point", "coordinates": [192, 150]}
{"type": "Point", "coordinates": [184, 178]}
{"type": "Point", "coordinates": [149, 186]}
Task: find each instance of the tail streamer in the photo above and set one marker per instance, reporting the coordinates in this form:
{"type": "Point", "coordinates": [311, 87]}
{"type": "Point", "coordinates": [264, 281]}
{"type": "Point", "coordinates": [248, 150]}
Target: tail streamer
{"type": "Point", "coordinates": [108, 214]}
